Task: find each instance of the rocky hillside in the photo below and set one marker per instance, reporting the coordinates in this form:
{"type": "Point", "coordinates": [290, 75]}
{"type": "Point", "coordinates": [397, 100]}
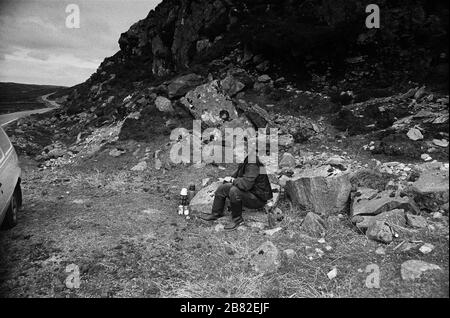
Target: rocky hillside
{"type": "Point", "coordinates": [251, 58]}
{"type": "Point", "coordinates": [362, 175]}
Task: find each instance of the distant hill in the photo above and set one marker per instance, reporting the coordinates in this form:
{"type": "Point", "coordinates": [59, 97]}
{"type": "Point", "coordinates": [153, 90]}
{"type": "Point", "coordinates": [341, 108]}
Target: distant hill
{"type": "Point", "coordinates": [16, 97]}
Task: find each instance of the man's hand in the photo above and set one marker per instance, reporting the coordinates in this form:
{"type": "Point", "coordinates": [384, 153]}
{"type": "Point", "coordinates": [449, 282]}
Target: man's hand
{"type": "Point", "coordinates": [228, 180]}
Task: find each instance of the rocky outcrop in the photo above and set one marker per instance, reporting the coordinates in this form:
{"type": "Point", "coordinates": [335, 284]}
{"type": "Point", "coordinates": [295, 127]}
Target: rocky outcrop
{"type": "Point", "coordinates": [168, 36]}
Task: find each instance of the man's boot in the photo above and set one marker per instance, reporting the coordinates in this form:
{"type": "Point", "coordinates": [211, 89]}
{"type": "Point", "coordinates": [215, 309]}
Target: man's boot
{"type": "Point", "coordinates": [236, 216]}
{"type": "Point", "coordinates": [217, 210]}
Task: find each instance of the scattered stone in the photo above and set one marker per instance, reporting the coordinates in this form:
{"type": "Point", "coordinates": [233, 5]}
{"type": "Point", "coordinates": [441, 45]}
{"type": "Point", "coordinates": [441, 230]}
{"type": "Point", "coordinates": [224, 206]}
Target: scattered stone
{"type": "Point", "coordinates": [171, 123]}
{"type": "Point", "coordinates": [158, 164]}
{"type": "Point", "coordinates": [394, 218]}
{"type": "Point", "coordinates": [379, 231]}
{"type": "Point", "coordinates": [437, 215]}
{"type": "Point", "coordinates": [203, 45]}
{"type": "Point", "coordinates": [426, 248]}
{"type": "Point", "coordinates": [266, 258]}
{"type": "Point", "coordinates": [445, 207]}
{"type": "Point", "coordinates": [372, 202]}
{"type": "Point", "coordinates": [290, 253]}
{"type": "Point", "coordinates": [416, 221]}
{"type": "Point", "coordinates": [163, 104]}
{"type": "Point", "coordinates": [78, 201]}
{"type": "Point", "coordinates": [413, 269]}
{"type": "Point", "coordinates": [332, 274]}
{"type": "Point", "coordinates": [426, 157]}
{"type": "Point", "coordinates": [287, 161]}
{"type": "Point", "coordinates": [262, 67]}
{"type": "Point", "coordinates": [116, 152]}
{"type": "Point", "coordinates": [141, 166]}
{"type": "Point", "coordinates": [321, 240]}
{"type": "Point", "coordinates": [257, 225]}
{"type": "Point", "coordinates": [229, 250]}
{"type": "Point", "coordinates": [219, 227]}
{"type": "Point", "coordinates": [380, 251]}
{"type": "Point", "coordinates": [313, 225]}
{"type": "Point", "coordinates": [272, 231]}
{"type": "Point", "coordinates": [414, 134]}
{"type": "Point", "coordinates": [285, 140]}
{"type": "Point", "coordinates": [406, 246]}
{"type": "Point", "coordinates": [319, 252]}
{"type": "Point", "coordinates": [337, 161]}
{"type": "Point", "coordinates": [441, 142]}
{"type": "Point", "coordinates": [264, 78]}
{"type": "Point", "coordinates": [323, 190]}
{"type": "Point", "coordinates": [420, 92]}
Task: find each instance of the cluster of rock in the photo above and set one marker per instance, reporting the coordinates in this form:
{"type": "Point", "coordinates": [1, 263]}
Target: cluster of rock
{"type": "Point", "coordinates": [413, 125]}
{"type": "Point", "coordinates": [330, 189]}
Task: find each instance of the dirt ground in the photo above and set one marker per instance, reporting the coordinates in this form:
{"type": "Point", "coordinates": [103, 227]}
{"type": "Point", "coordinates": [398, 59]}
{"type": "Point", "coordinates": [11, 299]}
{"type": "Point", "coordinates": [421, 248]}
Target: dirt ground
{"type": "Point", "coordinates": [122, 230]}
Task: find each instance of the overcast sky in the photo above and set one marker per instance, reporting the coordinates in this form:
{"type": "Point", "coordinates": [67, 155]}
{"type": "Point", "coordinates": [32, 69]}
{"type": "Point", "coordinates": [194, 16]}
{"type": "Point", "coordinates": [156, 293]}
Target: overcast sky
{"type": "Point", "coordinates": [36, 46]}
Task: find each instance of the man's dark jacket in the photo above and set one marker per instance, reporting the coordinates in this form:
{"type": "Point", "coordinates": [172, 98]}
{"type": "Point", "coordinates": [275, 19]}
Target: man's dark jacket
{"type": "Point", "coordinates": [252, 177]}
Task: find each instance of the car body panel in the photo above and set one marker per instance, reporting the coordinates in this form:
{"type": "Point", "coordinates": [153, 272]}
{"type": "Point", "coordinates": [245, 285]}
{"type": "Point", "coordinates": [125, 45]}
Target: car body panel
{"type": "Point", "coordinates": [10, 173]}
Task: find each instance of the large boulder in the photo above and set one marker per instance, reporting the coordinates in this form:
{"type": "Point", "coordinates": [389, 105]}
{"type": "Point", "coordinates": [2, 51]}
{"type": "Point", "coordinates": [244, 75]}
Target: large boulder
{"type": "Point", "coordinates": [202, 202]}
{"type": "Point", "coordinates": [323, 190]}
{"type": "Point", "coordinates": [431, 189]}
{"type": "Point", "coordinates": [183, 84]}
{"type": "Point", "coordinates": [372, 202]}
{"type": "Point", "coordinates": [208, 103]}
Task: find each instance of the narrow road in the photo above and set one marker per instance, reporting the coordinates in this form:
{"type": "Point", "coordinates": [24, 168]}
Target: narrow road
{"type": "Point", "coordinates": [11, 117]}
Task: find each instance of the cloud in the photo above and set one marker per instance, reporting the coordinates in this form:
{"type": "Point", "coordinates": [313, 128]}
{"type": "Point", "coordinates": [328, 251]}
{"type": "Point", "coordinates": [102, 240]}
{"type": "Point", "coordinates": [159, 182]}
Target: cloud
{"type": "Point", "coordinates": [39, 55]}
{"type": "Point", "coordinates": [33, 32]}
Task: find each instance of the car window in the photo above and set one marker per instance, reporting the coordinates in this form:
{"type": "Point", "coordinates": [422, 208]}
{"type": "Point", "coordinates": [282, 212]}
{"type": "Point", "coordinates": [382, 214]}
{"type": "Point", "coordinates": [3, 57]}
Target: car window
{"type": "Point", "coordinates": [5, 144]}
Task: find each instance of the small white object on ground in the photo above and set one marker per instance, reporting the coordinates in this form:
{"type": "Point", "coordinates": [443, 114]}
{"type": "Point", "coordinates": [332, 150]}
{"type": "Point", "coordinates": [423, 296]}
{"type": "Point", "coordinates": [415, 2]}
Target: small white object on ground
{"type": "Point", "coordinates": [426, 248]}
{"type": "Point", "coordinates": [332, 274]}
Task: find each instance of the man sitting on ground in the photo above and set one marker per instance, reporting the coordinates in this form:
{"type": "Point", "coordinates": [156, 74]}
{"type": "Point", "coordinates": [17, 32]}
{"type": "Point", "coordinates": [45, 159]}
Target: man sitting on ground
{"type": "Point", "coordinates": [249, 186]}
